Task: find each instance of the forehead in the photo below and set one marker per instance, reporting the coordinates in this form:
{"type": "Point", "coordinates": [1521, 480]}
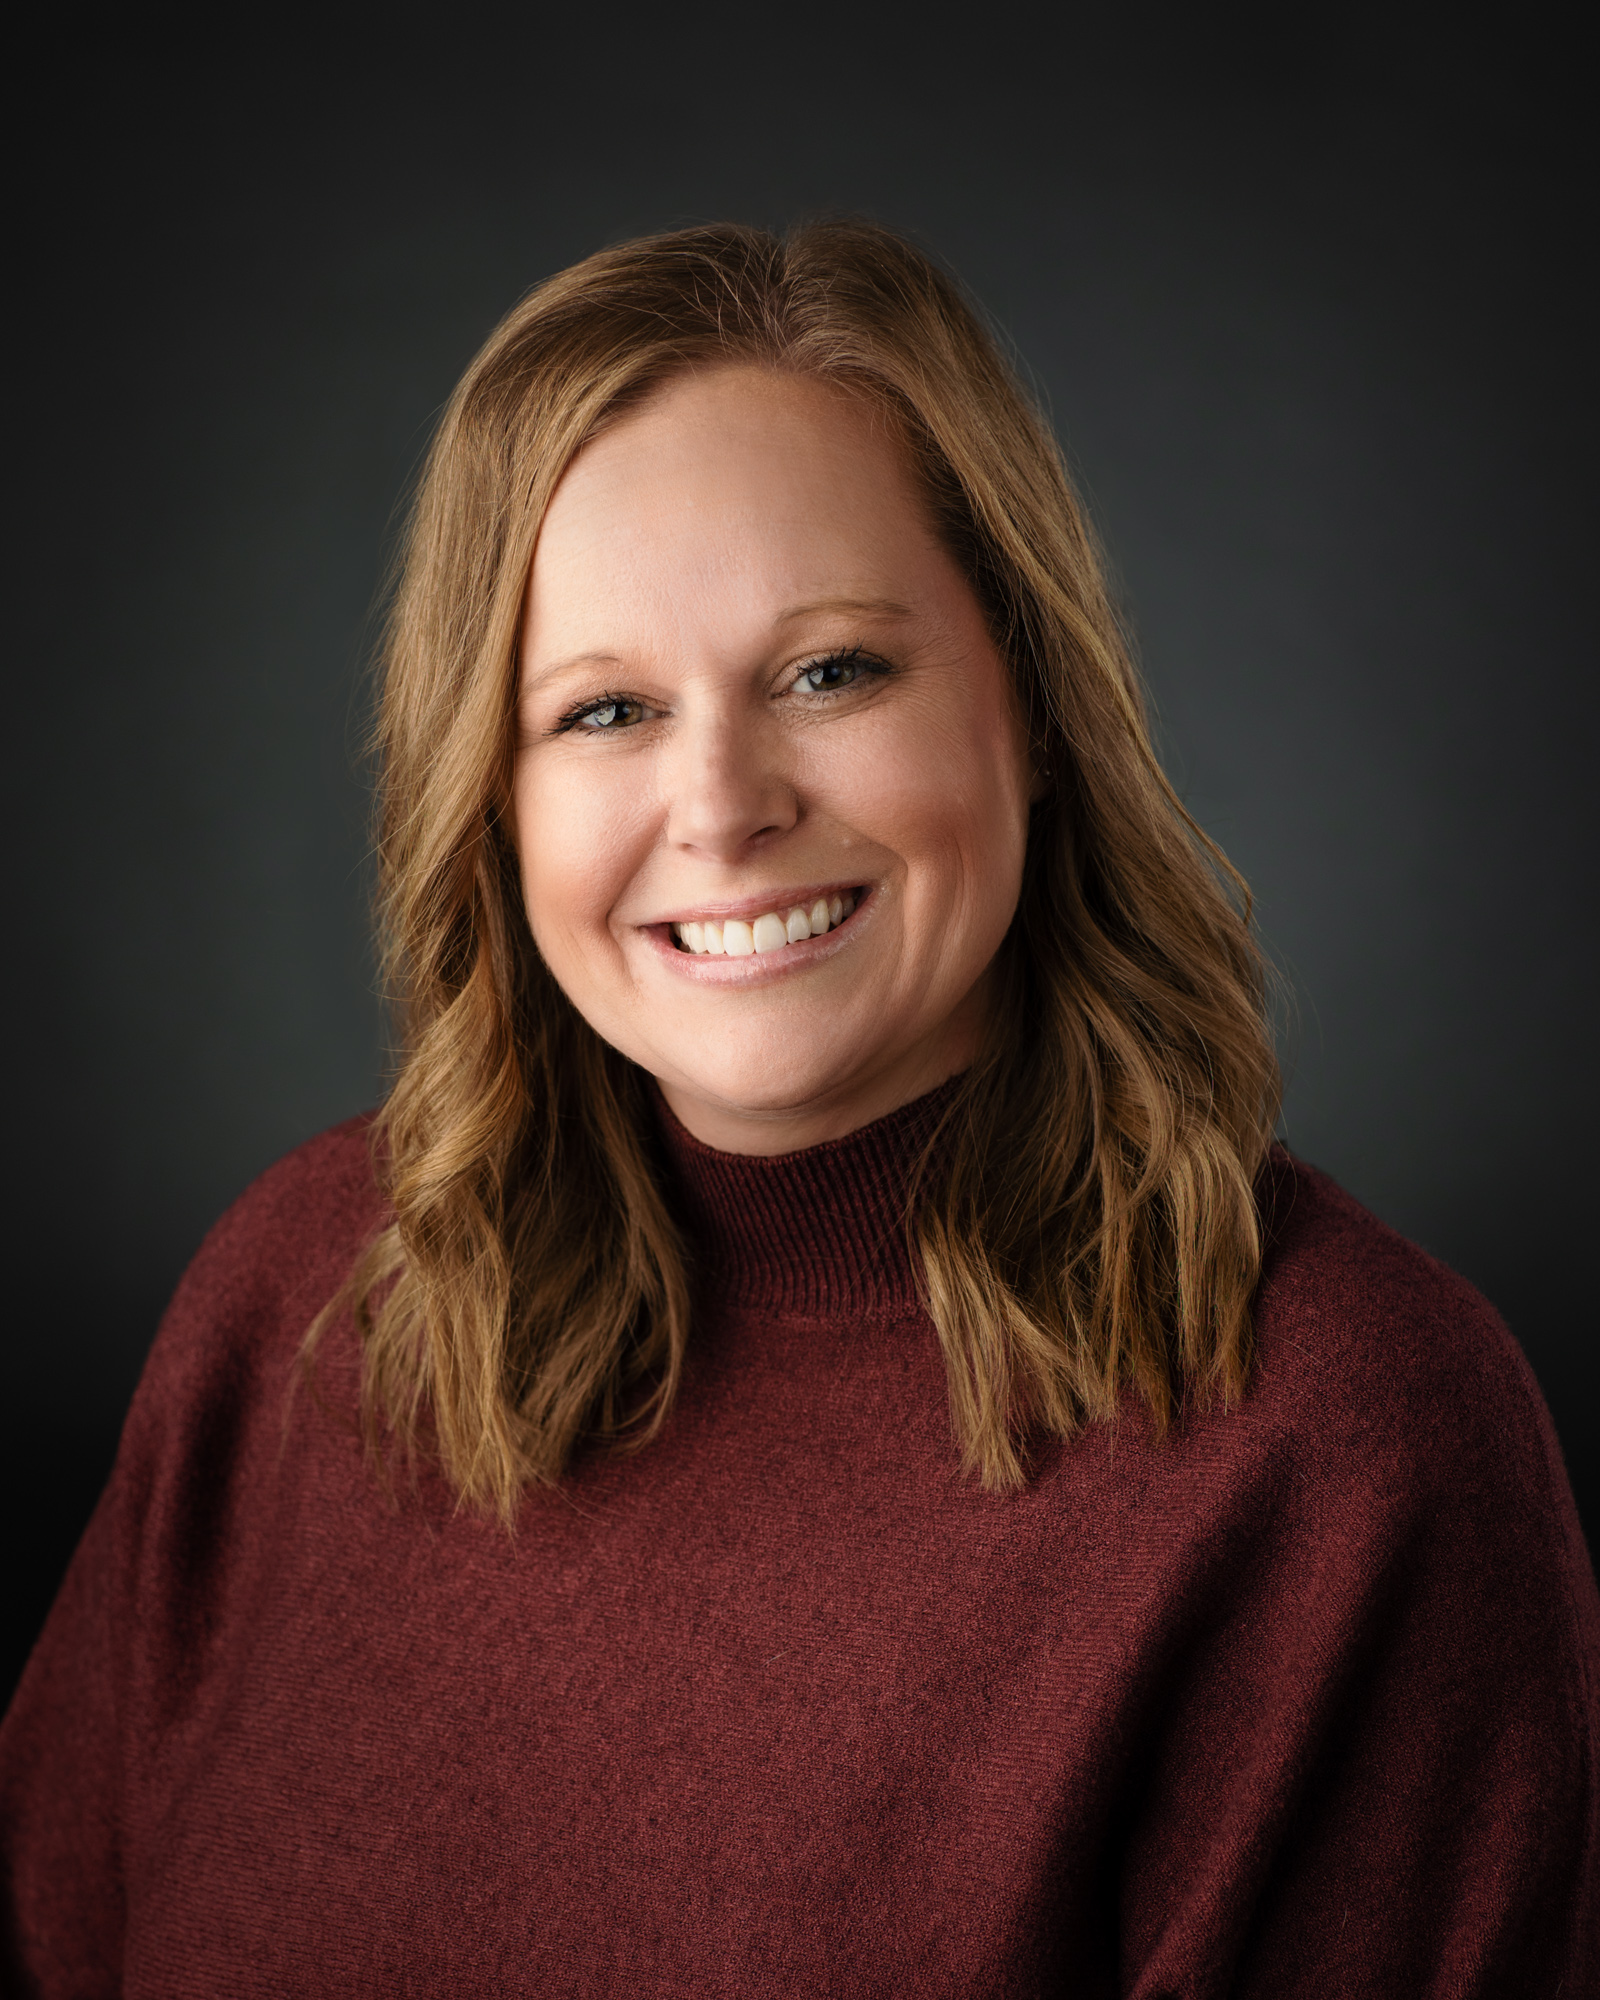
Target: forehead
{"type": "Point", "coordinates": [729, 490]}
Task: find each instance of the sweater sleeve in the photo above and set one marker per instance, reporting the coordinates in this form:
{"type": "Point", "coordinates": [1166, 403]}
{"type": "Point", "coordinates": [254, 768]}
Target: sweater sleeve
{"type": "Point", "coordinates": [61, 1779]}
{"type": "Point", "coordinates": [1376, 1774]}
{"type": "Point", "coordinates": [113, 1676]}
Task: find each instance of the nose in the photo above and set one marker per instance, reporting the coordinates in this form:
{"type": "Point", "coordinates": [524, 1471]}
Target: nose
{"type": "Point", "coordinates": [728, 786]}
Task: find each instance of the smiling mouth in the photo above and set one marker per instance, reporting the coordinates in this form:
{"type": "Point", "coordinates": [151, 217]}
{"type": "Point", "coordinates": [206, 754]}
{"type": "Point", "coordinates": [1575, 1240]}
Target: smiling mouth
{"type": "Point", "coordinates": [773, 930]}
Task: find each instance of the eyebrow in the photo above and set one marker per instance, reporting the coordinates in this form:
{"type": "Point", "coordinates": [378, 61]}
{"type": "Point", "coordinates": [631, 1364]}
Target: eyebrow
{"type": "Point", "coordinates": [872, 607]}
{"type": "Point", "coordinates": [867, 607]}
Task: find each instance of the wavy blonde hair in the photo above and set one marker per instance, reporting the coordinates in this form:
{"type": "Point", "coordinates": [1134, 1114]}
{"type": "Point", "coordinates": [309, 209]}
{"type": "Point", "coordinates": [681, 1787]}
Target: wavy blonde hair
{"type": "Point", "coordinates": [1084, 1216]}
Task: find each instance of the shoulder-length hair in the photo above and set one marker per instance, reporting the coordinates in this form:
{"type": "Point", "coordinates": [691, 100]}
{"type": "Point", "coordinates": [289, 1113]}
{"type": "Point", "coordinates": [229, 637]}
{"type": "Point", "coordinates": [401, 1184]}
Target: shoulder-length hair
{"type": "Point", "coordinates": [1084, 1215]}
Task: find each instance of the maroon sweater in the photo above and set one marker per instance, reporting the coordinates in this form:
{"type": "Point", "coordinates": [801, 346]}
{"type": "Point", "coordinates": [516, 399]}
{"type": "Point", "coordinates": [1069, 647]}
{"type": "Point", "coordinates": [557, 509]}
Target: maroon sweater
{"type": "Point", "coordinates": [1300, 1702]}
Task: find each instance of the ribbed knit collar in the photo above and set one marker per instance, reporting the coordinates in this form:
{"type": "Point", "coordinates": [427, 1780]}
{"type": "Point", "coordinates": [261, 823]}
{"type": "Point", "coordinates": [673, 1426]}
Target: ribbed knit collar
{"type": "Point", "coordinates": [819, 1233]}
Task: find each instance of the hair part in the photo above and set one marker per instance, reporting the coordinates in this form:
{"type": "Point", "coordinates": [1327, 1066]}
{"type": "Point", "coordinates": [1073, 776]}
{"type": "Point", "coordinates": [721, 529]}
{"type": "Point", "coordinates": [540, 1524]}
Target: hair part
{"type": "Point", "coordinates": [1084, 1216]}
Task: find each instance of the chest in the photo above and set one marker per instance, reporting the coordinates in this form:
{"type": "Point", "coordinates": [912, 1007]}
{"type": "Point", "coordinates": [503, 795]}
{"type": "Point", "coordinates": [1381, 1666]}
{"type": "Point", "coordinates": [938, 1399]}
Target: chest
{"type": "Point", "coordinates": [785, 1708]}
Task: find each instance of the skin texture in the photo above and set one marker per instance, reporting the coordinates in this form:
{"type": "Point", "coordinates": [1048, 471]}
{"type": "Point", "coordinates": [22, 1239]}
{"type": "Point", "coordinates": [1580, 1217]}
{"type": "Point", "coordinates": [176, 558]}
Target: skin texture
{"type": "Point", "coordinates": [739, 528]}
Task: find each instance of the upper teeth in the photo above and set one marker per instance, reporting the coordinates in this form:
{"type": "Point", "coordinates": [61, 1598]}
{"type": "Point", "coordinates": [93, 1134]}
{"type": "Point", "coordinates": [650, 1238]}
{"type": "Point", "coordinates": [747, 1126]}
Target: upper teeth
{"type": "Point", "coordinates": [736, 939]}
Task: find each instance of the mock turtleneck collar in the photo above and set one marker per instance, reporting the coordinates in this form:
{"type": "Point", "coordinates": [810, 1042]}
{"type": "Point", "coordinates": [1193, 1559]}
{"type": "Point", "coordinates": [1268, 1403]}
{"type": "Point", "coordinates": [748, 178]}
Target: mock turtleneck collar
{"type": "Point", "coordinates": [816, 1233]}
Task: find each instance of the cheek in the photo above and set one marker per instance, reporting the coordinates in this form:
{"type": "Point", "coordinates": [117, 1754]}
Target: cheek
{"type": "Point", "coordinates": [576, 845]}
{"type": "Point", "coordinates": [944, 785]}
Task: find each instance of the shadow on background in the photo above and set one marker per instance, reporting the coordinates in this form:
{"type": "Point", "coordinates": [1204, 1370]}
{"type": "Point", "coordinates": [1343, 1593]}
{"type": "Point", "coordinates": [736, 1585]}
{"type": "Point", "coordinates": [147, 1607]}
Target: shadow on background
{"type": "Point", "coordinates": [1306, 302]}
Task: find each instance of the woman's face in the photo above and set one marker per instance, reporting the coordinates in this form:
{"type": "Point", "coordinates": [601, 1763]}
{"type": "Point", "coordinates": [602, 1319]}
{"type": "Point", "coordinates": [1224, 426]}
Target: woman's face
{"type": "Point", "coordinates": [760, 709]}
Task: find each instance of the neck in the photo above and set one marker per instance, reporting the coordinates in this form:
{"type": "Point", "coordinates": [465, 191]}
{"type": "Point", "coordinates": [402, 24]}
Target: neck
{"type": "Point", "coordinates": [816, 1232]}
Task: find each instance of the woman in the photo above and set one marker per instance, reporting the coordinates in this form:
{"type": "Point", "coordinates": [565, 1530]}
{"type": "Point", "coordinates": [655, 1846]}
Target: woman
{"type": "Point", "coordinates": [836, 1456]}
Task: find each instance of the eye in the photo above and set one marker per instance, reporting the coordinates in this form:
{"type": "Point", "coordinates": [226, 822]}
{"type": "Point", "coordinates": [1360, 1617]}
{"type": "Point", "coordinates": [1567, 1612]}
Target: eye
{"type": "Point", "coordinates": [605, 716]}
{"type": "Point", "coordinates": [837, 671]}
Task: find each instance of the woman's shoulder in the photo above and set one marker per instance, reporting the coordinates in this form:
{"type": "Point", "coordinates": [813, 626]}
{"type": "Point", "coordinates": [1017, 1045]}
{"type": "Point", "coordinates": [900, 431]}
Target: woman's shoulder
{"type": "Point", "coordinates": [1343, 1292]}
{"type": "Point", "coordinates": [1390, 1480]}
{"type": "Point", "coordinates": [311, 1204]}
{"type": "Point", "coordinates": [1393, 1373]}
{"type": "Point", "coordinates": [273, 1259]}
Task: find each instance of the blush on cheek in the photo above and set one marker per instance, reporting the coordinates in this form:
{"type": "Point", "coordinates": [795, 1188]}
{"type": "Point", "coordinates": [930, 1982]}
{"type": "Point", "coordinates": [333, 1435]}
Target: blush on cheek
{"type": "Point", "coordinates": [574, 865]}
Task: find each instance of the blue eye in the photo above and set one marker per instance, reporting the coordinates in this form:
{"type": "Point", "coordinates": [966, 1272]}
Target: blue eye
{"type": "Point", "coordinates": [614, 712]}
{"type": "Point", "coordinates": [839, 670]}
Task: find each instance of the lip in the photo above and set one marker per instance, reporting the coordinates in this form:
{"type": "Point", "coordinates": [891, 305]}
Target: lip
{"type": "Point", "coordinates": [761, 966]}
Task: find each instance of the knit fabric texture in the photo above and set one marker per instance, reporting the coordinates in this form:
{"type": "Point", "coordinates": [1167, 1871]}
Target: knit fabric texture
{"type": "Point", "coordinates": [1299, 1701]}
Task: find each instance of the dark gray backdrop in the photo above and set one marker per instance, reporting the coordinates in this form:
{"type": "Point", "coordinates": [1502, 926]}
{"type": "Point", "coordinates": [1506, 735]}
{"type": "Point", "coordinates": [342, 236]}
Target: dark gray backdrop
{"type": "Point", "coordinates": [1311, 304]}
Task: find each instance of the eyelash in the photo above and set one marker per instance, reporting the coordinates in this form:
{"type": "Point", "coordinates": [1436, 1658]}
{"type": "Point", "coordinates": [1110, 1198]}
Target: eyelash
{"type": "Point", "coordinates": [864, 664]}
{"type": "Point", "coordinates": [849, 656]}
{"type": "Point", "coordinates": [576, 715]}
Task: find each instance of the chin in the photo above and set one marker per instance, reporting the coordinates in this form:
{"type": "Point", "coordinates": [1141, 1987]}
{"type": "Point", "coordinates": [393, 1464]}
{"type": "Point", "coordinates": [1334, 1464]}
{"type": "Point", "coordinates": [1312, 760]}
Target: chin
{"type": "Point", "coordinates": [760, 1096]}
{"type": "Point", "coordinates": [760, 1090]}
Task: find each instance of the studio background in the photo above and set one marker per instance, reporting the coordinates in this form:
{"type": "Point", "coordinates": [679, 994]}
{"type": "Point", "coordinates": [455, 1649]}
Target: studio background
{"type": "Point", "coordinates": [1313, 310]}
